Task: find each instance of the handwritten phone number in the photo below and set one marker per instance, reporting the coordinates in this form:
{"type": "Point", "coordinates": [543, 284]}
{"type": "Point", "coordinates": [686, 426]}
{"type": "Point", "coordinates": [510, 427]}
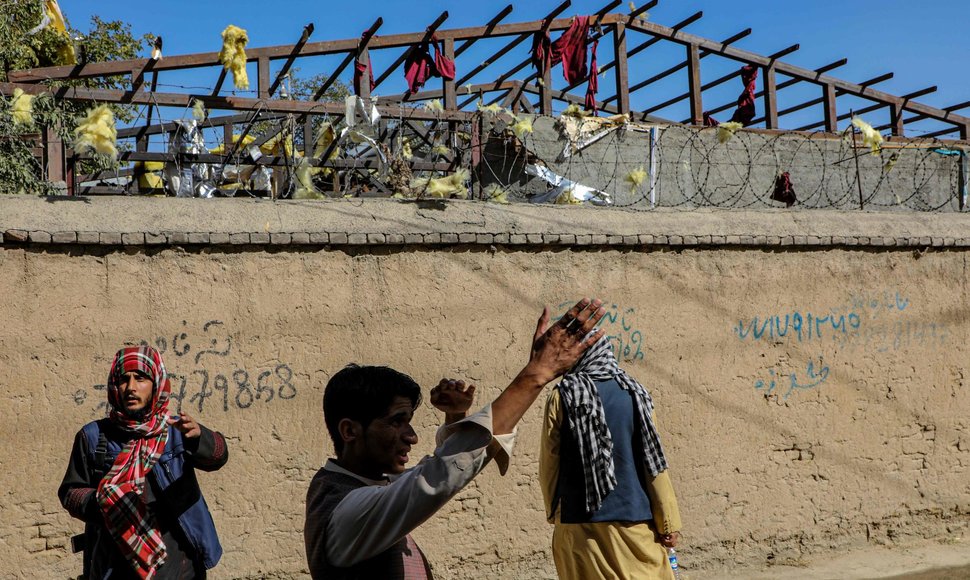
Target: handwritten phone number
{"type": "Point", "coordinates": [233, 390]}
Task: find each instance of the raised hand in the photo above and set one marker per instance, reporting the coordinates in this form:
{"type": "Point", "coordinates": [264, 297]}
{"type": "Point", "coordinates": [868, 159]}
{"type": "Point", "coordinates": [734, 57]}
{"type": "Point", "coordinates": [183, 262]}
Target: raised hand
{"type": "Point", "coordinates": [557, 347]}
{"type": "Point", "coordinates": [186, 424]}
{"type": "Point", "coordinates": [453, 398]}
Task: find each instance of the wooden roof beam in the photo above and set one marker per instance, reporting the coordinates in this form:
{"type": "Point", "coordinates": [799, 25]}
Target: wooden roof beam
{"type": "Point", "coordinates": [784, 85]}
{"type": "Point", "coordinates": [871, 108]}
{"type": "Point", "coordinates": [439, 93]}
{"type": "Point", "coordinates": [546, 26]}
{"type": "Point", "coordinates": [748, 57]}
{"type": "Point", "coordinates": [211, 59]}
{"type": "Point", "coordinates": [720, 81]}
{"type": "Point", "coordinates": [676, 68]}
{"type": "Point", "coordinates": [917, 118]}
{"type": "Point", "coordinates": [362, 45]}
{"type": "Point", "coordinates": [488, 30]}
{"type": "Point", "coordinates": [820, 100]}
{"type": "Point", "coordinates": [535, 75]}
{"type": "Point", "coordinates": [307, 31]}
{"type": "Point", "coordinates": [235, 103]}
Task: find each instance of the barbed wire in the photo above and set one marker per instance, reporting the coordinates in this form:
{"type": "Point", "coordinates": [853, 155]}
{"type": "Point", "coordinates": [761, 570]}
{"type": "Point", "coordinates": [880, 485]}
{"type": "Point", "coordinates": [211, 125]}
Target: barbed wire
{"type": "Point", "coordinates": [691, 167]}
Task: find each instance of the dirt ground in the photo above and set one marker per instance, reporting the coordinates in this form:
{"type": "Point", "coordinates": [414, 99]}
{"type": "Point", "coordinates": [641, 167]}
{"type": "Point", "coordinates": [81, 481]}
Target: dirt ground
{"type": "Point", "coordinates": [929, 561]}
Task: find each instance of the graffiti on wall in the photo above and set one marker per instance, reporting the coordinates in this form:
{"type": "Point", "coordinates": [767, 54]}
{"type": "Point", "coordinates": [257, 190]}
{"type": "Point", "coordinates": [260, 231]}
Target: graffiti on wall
{"type": "Point", "coordinates": [872, 322]}
{"type": "Point", "coordinates": [212, 382]}
{"type": "Point", "coordinates": [618, 322]}
{"type": "Point", "coordinates": [812, 378]}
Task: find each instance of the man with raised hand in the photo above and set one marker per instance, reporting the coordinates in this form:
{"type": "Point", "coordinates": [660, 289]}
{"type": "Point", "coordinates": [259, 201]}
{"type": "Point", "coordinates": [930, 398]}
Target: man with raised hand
{"type": "Point", "coordinates": [363, 504]}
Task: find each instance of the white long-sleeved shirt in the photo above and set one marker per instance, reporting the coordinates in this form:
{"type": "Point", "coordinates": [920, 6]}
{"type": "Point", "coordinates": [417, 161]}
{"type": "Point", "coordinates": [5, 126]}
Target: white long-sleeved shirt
{"type": "Point", "coordinates": [371, 519]}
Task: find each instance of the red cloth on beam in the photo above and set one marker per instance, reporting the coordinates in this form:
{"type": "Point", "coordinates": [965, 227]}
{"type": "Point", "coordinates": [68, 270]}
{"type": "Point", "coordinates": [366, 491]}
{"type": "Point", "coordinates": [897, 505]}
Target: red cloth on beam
{"type": "Point", "coordinates": [359, 69]}
{"type": "Point", "coordinates": [745, 111]}
{"type": "Point", "coordinates": [569, 49]}
{"type": "Point", "coordinates": [593, 86]}
{"type": "Point", "coordinates": [420, 66]}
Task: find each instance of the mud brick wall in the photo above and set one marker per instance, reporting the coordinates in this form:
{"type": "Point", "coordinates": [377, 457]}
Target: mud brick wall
{"type": "Point", "coordinates": [809, 368]}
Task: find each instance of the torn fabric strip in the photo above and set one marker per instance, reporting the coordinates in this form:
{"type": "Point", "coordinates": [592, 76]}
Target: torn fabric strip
{"type": "Point", "coordinates": [420, 66]}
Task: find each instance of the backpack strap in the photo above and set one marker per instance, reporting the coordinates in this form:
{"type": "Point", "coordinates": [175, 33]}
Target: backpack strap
{"type": "Point", "coordinates": [100, 451]}
{"type": "Point", "coordinates": [98, 442]}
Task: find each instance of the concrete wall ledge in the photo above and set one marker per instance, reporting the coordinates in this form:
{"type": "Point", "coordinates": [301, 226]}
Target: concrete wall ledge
{"type": "Point", "coordinates": [149, 221]}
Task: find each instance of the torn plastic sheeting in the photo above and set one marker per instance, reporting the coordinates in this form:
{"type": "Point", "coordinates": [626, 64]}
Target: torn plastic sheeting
{"type": "Point", "coordinates": [262, 179]}
{"type": "Point", "coordinates": [560, 185]}
{"type": "Point", "coordinates": [361, 119]}
{"type": "Point", "coordinates": [192, 179]}
{"type": "Point", "coordinates": [356, 110]}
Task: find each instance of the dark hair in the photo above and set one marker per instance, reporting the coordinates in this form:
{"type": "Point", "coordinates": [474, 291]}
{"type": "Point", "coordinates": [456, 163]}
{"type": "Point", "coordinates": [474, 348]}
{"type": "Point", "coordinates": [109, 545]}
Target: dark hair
{"type": "Point", "coordinates": [362, 394]}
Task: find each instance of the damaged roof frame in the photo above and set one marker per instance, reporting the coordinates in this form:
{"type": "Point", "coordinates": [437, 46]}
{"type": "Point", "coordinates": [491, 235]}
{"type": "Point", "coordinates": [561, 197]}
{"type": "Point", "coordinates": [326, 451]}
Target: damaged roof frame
{"type": "Point", "coordinates": [512, 90]}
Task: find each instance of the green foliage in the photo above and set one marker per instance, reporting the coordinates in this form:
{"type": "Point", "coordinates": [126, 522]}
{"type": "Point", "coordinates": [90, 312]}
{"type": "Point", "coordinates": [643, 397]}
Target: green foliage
{"type": "Point", "coordinates": [20, 172]}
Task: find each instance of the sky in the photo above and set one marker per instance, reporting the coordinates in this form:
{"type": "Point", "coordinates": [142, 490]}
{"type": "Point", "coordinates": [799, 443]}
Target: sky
{"type": "Point", "coordinates": [924, 44]}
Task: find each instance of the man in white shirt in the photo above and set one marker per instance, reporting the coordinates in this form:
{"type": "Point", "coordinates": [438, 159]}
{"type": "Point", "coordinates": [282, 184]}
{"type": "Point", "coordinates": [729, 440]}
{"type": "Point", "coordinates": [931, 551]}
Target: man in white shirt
{"type": "Point", "coordinates": [363, 505]}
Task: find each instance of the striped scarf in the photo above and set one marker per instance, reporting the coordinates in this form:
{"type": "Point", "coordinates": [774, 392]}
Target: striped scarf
{"type": "Point", "coordinates": [584, 408]}
{"type": "Point", "coordinates": [120, 491]}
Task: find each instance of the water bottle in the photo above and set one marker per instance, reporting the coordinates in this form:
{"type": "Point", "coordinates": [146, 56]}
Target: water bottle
{"type": "Point", "coordinates": [672, 557]}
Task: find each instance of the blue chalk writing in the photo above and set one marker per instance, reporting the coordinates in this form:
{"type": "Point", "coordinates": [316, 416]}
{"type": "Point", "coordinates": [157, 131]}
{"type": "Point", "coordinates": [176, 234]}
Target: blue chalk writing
{"type": "Point", "coordinates": [803, 326]}
{"type": "Point", "coordinates": [618, 323]}
{"type": "Point", "coordinates": [875, 321]}
{"type": "Point", "coordinates": [813, 379]}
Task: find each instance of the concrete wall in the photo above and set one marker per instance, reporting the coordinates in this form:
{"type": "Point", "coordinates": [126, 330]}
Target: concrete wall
{"type": "Point", "coordinates": [694, 170]}
{"type": "Point", "coordinates": [808, 368]}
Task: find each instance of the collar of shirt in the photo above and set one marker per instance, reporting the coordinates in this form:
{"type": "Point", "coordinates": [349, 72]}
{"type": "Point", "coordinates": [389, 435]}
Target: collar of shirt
{"type": "Point", "coordinates": [332, 465]}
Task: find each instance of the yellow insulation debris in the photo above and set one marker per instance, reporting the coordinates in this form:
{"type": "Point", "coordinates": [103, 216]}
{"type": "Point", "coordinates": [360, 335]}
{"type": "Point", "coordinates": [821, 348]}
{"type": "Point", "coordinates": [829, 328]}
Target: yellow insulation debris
{"type": "Point", "coordinates": [434, 105]}
{"type": "Point", "coordinates": [870, 137]}
{"type": "Point", "coordinates": [65, 52]}
{"type": "Point", "coordinates": [221, 147]}
{"type": "Point", "coordinates": [443, 187]}
{"type": "Point", "coordinates": [277, 145]}
{"type": "Point", "coordinates": [567, 198]}
{"type": "Point", "coordinates": [727, 130]}
{"type": "Point", "coordinates": [493, 109]}
{"type": "Point", "coordinates": [888, 166]}
{"type": "Point", "coordinates": [271, 147]}
{"type": "Point", "coordinates": [305, 189]}
{"type": "Point", "coordinates": [198, 110]}
{"type": "Point", "coordinates": [522, 127]}
{"type": "Point", "coordinates": [440, 149]}
{"type": "Point", "coordinates": [573, 110]}
{"type": "Point", "coordinates": [495, 193]}
{"type": "Point", "coordinates": [148, 174]}
{"type": "Point", "coordinates": [325, 136]}
{"type": "Point", "coordinates": [233, 55]}
{"type": "Point", "coordinates": [22, 108]}
{"type": "Point", "coordinates": [636, 178]}
{"type": "Point", "coordinates": [97, 132]}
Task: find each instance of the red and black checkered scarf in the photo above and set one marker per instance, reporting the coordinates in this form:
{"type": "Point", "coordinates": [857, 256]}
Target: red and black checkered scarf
{"type": "Point", "coordinates": [120, 492]}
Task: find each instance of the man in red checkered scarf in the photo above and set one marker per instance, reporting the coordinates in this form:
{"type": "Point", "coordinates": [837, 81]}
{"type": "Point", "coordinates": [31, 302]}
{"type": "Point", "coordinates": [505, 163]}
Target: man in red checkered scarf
{"type": "Point", "coordinates": [131, 479]}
